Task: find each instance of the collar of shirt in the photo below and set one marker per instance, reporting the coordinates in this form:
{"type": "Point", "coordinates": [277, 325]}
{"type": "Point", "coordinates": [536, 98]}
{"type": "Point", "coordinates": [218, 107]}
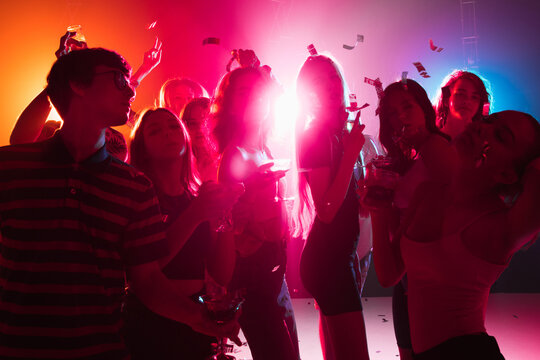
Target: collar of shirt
{"type": "Point", "coordinates": [55, 150]}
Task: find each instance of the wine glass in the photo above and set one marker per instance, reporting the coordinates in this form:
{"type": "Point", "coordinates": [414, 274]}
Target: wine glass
{"type": "Point", "coordinates": [222, 309]}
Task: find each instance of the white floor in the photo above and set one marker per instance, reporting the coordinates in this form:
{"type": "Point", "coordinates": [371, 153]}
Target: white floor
{"type": "Point", "coordinates": [514, 319]}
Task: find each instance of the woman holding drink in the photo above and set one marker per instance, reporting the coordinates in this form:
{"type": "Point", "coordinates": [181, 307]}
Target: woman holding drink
{"type": "Point", "coordinates": [241, 113]}
{"type": "Point", "coordinates": [327, 210]}
{"type": "Point", "coordinates": [161, 148]}
{"type": "Point", "coordinates": [416, 150]}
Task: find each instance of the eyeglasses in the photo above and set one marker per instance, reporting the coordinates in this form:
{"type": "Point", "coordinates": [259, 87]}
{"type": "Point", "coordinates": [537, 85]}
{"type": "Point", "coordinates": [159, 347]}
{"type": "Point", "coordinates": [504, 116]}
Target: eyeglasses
{"type": "Point", "coordinates": [120, 79]}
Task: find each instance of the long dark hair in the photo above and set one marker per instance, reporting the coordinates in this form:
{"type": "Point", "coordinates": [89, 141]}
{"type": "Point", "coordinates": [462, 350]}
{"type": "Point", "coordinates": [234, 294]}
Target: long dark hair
{"type": "Point", "coordinates": [403, 160]}
{"type": "Point", "coordinates": [139, 158]}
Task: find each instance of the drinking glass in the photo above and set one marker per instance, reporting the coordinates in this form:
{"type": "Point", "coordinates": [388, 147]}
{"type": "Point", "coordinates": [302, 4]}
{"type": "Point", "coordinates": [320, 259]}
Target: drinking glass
{"type": "Point", "coordinates": [380, 182]}
{"type": "Point", "coordinates": [222, 309]}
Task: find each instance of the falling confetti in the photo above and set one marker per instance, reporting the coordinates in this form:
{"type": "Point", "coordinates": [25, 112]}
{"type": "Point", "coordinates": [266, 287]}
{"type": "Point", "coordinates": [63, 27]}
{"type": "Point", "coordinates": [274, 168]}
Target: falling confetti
{"type": "Point", "coordinates": [151, 26]}
{"type": "Point", "coordinates": [421, 69]}
{"type": "Point", "coordinates": [211, 41]}
{"type": "Point", "coordinates": [356, 108]}
{"type": "Point", "coordinates": [359, 38]}
{"type": "Point", "coordinates": [433, 47]}
{"type": "Point", "coordinates": [378, 88]}
{"type": "Point", "coordinates": [404, 78]}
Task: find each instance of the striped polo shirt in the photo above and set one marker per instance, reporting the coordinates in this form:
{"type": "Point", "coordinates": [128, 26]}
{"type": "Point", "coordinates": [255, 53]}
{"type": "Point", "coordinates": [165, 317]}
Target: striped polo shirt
{"type": "Point", "coordinates": [68, 232]}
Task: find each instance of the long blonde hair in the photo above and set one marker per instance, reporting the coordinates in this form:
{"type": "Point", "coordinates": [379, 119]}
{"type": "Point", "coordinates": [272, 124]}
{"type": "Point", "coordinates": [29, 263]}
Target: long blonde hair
{"type": "Point", "coordinates": [189, 177]}
{"type": "Point", "coordinates": [304, 207]}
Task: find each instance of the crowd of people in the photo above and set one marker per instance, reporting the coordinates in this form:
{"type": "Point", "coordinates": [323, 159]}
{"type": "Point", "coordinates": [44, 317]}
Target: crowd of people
{"type": "Point", "coordinates": [103, 259]}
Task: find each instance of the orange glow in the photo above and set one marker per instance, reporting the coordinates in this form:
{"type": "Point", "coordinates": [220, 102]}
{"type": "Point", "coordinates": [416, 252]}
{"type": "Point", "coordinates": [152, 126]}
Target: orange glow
{"type": "Point", "coordinates": [30, 33]}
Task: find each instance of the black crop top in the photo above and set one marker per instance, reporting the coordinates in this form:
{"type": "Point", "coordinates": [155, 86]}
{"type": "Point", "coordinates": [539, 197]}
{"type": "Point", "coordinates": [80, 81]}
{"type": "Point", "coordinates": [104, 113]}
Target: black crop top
{"type": "Point", "coordinates": [189, 263]}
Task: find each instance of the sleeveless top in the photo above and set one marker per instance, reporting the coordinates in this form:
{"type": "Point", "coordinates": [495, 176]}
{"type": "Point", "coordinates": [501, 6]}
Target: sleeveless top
{"type": "Point", "coordinates": [339, 238]}
{"type": "Point", "coordinates": [189, 263]}
{"type": "Point", "coordinates": [448, 289]}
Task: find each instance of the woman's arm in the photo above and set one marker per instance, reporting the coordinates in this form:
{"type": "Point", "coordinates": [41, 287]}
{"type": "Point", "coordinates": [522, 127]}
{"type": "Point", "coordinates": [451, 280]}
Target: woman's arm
{"type": "Point", "coordinates": [221, 257]}
{"type": "Point", "coordinates": [524, 216]}
{"type": "Point", "coordinates": [151, 59]}
{"type": "Point", "coordinates": [387, 259]}
{"type": "Point", "coordinates": [155, 291]}
{"type": "Point", "coordinates": [213, 202]}
{"type": "Point", "coordinates": [329, 195]}
{"type": "Point", "coordinates": [30, 122]}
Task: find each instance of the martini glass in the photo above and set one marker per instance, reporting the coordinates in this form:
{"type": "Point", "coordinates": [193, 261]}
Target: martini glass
{"type": "Point", "coordinates": [222, 309]}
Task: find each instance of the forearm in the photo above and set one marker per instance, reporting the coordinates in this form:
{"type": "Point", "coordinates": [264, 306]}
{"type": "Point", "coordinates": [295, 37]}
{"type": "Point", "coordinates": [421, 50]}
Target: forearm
{"type": "Point", "coordinates": [222, 258]}
{"type": "Point", "coordinates": [156, 292]}
{"type": "Point", "coordinates": [524, 216]}
{"type": "Point", "coordinates": [334, 196]}
{"type": "Point", "coordinates": [179, 232]}
{"type": "Point", "coordinates": [386, 253]}
{"type": "Point", "coordinates": [138, 76]}
{"type": "Point", "coordinates": [31, 120]}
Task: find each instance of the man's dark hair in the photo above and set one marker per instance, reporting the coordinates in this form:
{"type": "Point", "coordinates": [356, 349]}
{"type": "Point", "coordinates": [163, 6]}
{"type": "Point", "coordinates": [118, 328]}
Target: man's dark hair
{"type": "Point", "coordinates": [79, 66]}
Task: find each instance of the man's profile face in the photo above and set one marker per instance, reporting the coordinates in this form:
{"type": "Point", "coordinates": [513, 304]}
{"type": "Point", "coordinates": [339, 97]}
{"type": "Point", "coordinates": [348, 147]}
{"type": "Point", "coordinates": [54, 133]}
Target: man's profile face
{"type": "Point", "coordinates": [110, 96]}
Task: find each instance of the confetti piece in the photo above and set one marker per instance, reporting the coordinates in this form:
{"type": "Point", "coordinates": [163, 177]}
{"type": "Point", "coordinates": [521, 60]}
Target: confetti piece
{"type": "Point", "coordinates": [312, 50]}
{"type": "Point", "coordinates": [419, 66]}
{"type": "Point", "coordinates": [421, 69]}
{"type": "Point", "coordinates": [378, 351]}
{"type": "Point", "coordinates": [359, 38]}
{"type": "Point", "coordinates": [352, 100]}
{"type": "Point", "coordinates": [485, 109]}
{"type": "Point", "coordinates": [363, 106]}
{"type": "Point", "coordinates": [515, 316]}
{"type": "Point", "coordinates": [211, 41]}
{"type": "Point", "coordinates": [350, 108]}
{"type": "Point", "coordinates": [151, 26]}
{"type": "Point", "coordinates": [369, 81]}
{"type": "Point", "coordinates": [378, 88]}
{"type": "Point", "coordinates": [433, 47]}
{"type": "Point", "coordinates": [384, 320]}
{"type": "Point", "coordinates": [404, 79]}
{"type": "Point", "coordinates": [275, 268]}
{"type": "Point", "coordinates": [381, 315]}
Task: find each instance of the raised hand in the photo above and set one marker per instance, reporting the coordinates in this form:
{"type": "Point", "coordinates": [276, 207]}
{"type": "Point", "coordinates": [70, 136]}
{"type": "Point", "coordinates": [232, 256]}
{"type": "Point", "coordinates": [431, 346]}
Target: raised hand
{"type": "Point", "coordinates": [354, 141]}
{"type": "Point", "coordinates": [247, 58]}
{"type": "Point", "coordinates": [151, 59]}
{"type": "Point", "coordinates": [68, 44]}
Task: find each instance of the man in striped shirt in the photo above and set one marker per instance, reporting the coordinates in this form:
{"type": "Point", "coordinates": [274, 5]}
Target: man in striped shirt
{"type": "Point", "coordinates": [74, 221]}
